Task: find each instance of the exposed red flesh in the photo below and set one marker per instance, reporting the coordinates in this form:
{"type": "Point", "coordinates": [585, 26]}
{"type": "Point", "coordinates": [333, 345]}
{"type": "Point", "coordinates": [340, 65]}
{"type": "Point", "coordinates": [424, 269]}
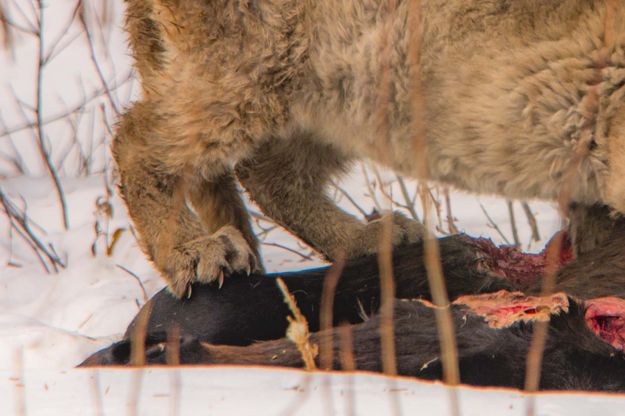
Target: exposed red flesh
{"type": "Point", "coordinates": [503, 308]}
{"type": "Point", "coordinates": [522, 268]}
{"type": "Point", "coordinates": [606, 318]}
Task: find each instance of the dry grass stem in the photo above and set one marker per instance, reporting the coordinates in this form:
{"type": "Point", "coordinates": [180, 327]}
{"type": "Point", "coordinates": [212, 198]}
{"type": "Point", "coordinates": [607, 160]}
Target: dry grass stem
{"type": "Point", "coordinates": [290, 250]}
{"type": "Point", "coordinates": [132, 274]}
{"type": "Point", "coordinates": [385, 247]}
{"type": "Point", "coordinates": [19, 221]}
{"type": "Point", "coordinates": [138, 335]}
{"type": "Point", "coordinates": [348, 363]}
{"type": "Point", "coordinates": [408, 202]}
{"type": "Point", "coordinates": [94, 59]}
{"type": "Point", "coordinates": [444, 319]}
{"type": "Point", "coordinates": [591, 104]}
{"type": "Point", "coordinates": [387, 296]}
{"type": "Point", "coordinates": [63, 115]}
{"type": "Point", "coordinates": [531, 220]}
{"type": "Point", "coordinates": [326, 356]}
{"type": "Point", "coordinates": [95, 392]}
{"type": "Point", "coordinates": [18, 379]}
{"type": "Point", "coordinates": [515, 231]}
{"type": "Point", "coordinates": [370, 189]}
{"type": "Point", "coordinates": [451, 220]}
{"type": "Point", "coordinates": [350, 199]}
{"type": "Point", "coordinates": [173, 359]}
{"type": "Point", "coordinates": [45, 155]}
{"type": "Point", "coordinates": [6, 37]}
{"type": "Point", "coordinates": [297, 331]}
{"type": "Point", "coordinates": [494, 225]}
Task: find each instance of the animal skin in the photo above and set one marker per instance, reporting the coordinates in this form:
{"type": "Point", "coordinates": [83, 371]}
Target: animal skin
{"type": "Point", "coordinates": [502, 97]}
{"type": "Point", "coordinates": [245, 321]}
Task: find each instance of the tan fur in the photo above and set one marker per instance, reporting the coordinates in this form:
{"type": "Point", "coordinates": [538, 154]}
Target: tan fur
{"type": "Point", "coordinates": [287, 92]}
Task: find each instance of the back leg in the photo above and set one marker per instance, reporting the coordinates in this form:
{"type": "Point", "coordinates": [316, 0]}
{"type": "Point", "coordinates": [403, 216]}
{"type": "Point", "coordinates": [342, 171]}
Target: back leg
{"type": "Point", "coordinates": [288, 180]}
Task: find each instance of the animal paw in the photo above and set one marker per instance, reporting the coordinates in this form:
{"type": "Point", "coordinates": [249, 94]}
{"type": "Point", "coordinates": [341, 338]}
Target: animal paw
{"type": "Point", "coordinates": [210, 259]}
{"type": "Point", "coordinates": [405, 231]}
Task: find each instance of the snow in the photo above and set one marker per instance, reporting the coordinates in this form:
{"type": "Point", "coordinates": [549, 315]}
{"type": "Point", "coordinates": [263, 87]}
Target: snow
{"type": "Point", "coordinates": [50, 322]}
{"type": "Point", "coordinates": [236, 390]}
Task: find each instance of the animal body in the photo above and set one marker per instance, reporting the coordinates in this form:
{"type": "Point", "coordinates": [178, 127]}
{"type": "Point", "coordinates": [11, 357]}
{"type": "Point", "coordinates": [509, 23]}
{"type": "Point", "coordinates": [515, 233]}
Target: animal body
{"type": "Point", "coordinates": [504, 96]}
{"type": "Point", "coordinates": [245, 321]}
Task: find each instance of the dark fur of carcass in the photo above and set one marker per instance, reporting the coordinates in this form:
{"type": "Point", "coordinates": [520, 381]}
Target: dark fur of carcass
{"type": "Point", "coordinates": [245, 321]}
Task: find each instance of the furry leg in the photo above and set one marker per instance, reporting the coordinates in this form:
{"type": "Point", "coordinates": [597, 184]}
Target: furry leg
{"type": "Point", "coordinates": [287, 179]}
{"type": "Point", "coordinates": [183, 248]}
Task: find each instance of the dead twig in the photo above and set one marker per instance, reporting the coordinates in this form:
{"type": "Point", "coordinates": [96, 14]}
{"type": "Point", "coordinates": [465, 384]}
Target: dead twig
{"type": "Point", "coordinates": [19, 222]}
{"type": "Point", "coordinates": [408, 202]}
{"type": "Point", "coordinates": [326, 357]}
{"type": "Point", "coordinates": [451, 222]}
{"type": "Point", "coordinates": [531, 220]}
{"type": "Point", "coordinates": [45, 155]}
{"type": "Point", "coordinates": [494, 225]}
{"type": "Point", "coordinates": [290, 250]}
{"type": "Point", "coordinates": [515, 232]}
{"type": "Point", "coordinates": [591, 111]}
{"type": "Point", "coordinates": [298, 331]}
{"type": "Point", "coordinates": [83, 22]}
{"type": "Point", "coordinates": [138, 279]}
{"type": "Point", "coordinates": [444, 319]}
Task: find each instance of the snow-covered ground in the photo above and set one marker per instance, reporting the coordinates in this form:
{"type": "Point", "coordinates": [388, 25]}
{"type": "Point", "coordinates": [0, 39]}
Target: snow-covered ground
{"type": "Point", "coordinates": [51, 321]}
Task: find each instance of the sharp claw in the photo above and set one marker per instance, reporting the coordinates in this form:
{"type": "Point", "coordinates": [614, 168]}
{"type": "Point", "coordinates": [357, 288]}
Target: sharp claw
{"type": "Point", "coordinates": [248, 269]}
{"type": "Point", "coordinates": [220, 280]}
{"type": "Point", "coordinates": [189, 291]}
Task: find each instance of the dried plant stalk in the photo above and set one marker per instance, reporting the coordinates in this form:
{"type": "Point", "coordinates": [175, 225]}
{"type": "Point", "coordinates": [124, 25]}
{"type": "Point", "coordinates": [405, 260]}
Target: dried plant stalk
{"type": "Point", "coordinates": [6, 37]}
{"type": "Point", "coordinates": [531, 220]}
{"type": "Point", "coordinates": [326, 357]}
{"type": "Point", "coordinates": [298, 331]}
{"type": "Point", "coordinates": [444, 320]}
{"type": "Point", "coordinates": [591, 104]}
{"type": "Point", "coordinates": [45, 155]}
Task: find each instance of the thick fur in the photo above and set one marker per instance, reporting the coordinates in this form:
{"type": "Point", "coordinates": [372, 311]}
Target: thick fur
{"type": "Point", "coordinates": [287, 92]}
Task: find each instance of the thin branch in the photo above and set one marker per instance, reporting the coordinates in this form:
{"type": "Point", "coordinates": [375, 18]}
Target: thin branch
{"type": "Point", "coordinates": [94, 60]}
{"type": "Point", "coordinates": [302, 255]}
{"type": "Point", "coordinates": [20, 223]}
{"type": "Point", "coordinates": [515, 232]}
{"type": "Point", "coordinates": [350, 199]}
{"type": "Point", "coordinates": [138, 279]}
{"type": "Point", "coordinates": [409, 203]}
{"type": "Point", "coordinates": [494, 225]}
{"type": "Point", "coordinates": [326, 308]}
{"type": "Point", "coordinates": [451, 223]}
{"type": "Point", "coordinates": [531, 220]}
{"type": "Point", "coordinates": [45, 156]}
{"type": "Point", "coordinates": [61, 116]}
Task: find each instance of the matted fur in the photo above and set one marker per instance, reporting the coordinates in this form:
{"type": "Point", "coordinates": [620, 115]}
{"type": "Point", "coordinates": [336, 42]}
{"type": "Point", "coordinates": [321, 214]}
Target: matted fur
{"type": "Point", "coordinates": [287, 92]}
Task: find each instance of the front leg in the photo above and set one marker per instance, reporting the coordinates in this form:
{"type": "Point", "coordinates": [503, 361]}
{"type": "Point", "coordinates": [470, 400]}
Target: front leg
{"type": "Point", "coordinates": [186, 245]}
{"type": "Point", "coordinates": [288, 180]}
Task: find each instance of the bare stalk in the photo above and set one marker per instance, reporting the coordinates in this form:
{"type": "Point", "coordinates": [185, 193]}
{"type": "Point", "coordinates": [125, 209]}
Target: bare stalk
{"type": "Point", "coordinates": [94, 60]}
{"type": "Point", "coordinates": [451, 222]}
{"type": "Point", "coordinates": [45, 156]}
{"type": "Point", "coordinates": [385, 247]}
{"type": "Point", "coordinates": [19, 222]}
{"type": "Point", "coordinates": [591, 104]}
{"type": "Point", "coordinates": [515, 232]}
{"type": "Point", "coordinates": [326, 356]}
{"type": "Point", "coordinates": [297, 331]}
{"type": "Point", "coordinates": [494, 225]}
{"type": "Point", "coordinates": [409, 205]}
{"type": "Point", "coordinates": [444, 319]}
{"type": "Point", "coordinates": [531, 220]}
